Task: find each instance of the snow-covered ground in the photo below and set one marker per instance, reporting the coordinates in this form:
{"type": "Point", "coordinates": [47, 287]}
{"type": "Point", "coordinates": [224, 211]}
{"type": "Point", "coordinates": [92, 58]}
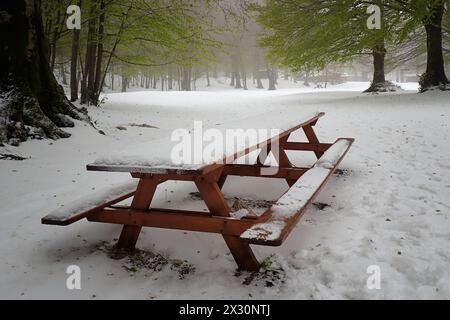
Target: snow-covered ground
{"type": "Point", "coordinates": [389, 208]}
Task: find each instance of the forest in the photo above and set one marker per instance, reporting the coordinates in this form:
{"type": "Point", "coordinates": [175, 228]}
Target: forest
{"type": "Point", "coordinates": [109, 45]}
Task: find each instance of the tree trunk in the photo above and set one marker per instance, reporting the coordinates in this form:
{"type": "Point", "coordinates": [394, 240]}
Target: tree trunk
{"type": "Point", "coordinates": [54, 39]}
{"type": "Point", "coordinates": [259, 84]}
{"type": "Point", "coordinates": [112, 78]}
{"type": "Point", "coordinates": [87, 84]}
{"type": "Point", "coordinates": [306, 82]}
{"type": "Point", "coordinates": [63, 73]}
{"type": "Point", "coordinates": [208, 82]}
{"type": "Point", "coordinates": [124, 83]}
{"type": "Point", "coordinates": [170, 80]}
{"type": "Point", "coordinates": [435, 75]}
{"type": "Point", "coordinates": [73, 63]}
{"type": "Point", "coordinates": [379, 83]}
{"type": "Point", "coordinates": [32, 104]}
{"type": "Point", "coordinates": [272, 78]}
{"type": "Point", "coordinates": [379, 54]}
{"type": "Point", "coordinates": [244, 80]}
{"type": "Point", "coordinates": [98, 67]}
{"type": "Point", "coordinates": [186, 80]}
{"type": "Point", "coordinates": [237, 77]}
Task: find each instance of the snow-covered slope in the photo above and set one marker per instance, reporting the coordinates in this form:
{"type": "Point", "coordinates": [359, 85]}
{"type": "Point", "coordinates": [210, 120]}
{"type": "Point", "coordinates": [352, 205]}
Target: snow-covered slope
{"type": "Point", "coordinates": [388, 207]}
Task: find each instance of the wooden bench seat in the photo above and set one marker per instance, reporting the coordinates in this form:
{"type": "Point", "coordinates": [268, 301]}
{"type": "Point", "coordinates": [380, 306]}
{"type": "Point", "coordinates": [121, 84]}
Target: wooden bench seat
{"type": "Point", "coordinates": [287, 211]}
{"type": "Point", "coordinates": [82, 207]}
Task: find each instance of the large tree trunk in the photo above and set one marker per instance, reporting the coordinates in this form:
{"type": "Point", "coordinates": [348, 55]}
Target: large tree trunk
{"type": "Point", "coordinates": [31, 101]}
{"type": "Point", "coordinates": [379, 55]}
{"type": "Point", "coordinates": [379, 83]}
{"type": "Point", "coordinates": [434, 76]}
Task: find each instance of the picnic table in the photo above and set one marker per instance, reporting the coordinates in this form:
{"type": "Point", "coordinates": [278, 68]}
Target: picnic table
{"type": "Point", "coordinates": [271, 228]}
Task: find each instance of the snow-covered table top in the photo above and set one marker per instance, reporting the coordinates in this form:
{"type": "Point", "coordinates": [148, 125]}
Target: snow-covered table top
{"type": "Point", "coordinates": [156, 156]}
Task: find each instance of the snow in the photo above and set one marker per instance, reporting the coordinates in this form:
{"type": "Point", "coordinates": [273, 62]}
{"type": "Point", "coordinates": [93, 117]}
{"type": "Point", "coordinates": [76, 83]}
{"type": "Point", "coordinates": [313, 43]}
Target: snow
{"type": "Point", "coordinates": [95, 199]}
{"type": "Point", "coordinates": [332, 155]}
{"type": "Point", "coordinates": [288, 205]}
{"type": "Point", "coordinates": [298, 195]}
{"type": "Point", "coordinates": [390, 207]}
{"type": "Point", "coordinates": [268, 231]}
{"type": "Point", "coordinates": [157, 154]}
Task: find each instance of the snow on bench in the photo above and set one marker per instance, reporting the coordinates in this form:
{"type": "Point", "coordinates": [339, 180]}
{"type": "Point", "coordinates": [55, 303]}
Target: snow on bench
{"type": "Point", "coordinates": [291, 206]}
{"type": "Point", "coordinates": [81, 207]}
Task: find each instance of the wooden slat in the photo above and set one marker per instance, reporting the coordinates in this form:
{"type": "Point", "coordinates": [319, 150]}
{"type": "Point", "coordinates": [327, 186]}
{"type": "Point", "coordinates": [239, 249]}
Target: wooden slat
{"type": "Point", "coordinates": [85, 214]}
{"type": "Point", "coordinates": [265, 144]}
{"type": "Point", "coordinates": [141, 169]}
{"type": "Point", "coordinates": [174, 219]}
{"type": "Point", "coordinates": [306, 146]}
{"type": "Point", "coordinates": [312, 138]}
{"type": "Point", "coordinates": [255, 171]}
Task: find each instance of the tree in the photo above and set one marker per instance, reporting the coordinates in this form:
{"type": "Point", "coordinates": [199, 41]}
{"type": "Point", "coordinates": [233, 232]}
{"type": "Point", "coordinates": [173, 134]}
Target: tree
{"type": "Point", "coordinates": [73, 63]}
{"type": "Point", "coordinates": [427, 14]}
{"type": "Point", "coordinates": [305, 35]}
{"type": "Point", "coordinates": [434, 75]}
{"type": "Point", "coordinates": [31, 101]}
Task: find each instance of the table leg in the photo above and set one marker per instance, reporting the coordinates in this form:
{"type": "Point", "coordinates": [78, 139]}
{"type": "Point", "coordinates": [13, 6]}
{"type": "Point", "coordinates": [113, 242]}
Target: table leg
{"type": "Point", "coordinates": [222, 180]}
{"type": "Point", "coordinates": [312, 138]}
{"type": "Point", "coordinates": [141, 201]}
{"type": "Point", "coordinates": [217, 205]}
{"type": "Point", "coordinates": [263, 155]}
{"type": "Point", "coordinates": [283, 159]}
{"type": "Point", "coordinates": [242, 254]}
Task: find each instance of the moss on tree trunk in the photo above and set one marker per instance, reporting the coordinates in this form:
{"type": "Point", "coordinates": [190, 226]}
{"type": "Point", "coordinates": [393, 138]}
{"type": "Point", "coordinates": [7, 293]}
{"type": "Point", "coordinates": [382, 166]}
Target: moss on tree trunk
{"type": "Point", "coordinates": [32, 104]}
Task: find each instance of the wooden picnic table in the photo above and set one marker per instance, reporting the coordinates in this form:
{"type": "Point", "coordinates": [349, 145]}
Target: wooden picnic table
{"type": "Point", "coordinates": [271, 228]}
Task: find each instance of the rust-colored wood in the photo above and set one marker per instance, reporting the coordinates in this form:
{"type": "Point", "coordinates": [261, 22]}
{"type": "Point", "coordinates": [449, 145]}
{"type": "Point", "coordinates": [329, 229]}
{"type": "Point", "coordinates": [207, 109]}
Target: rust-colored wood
{"type": "Point", "coordinates": [217, 205]}
{"type": "Point", "coordinates": [222, 180]}
{"type": "Point", "coordinates": [263, 155]}
{"type": "Point", "coordinates": [255, 171]}
{"type": "Point", "coordinates": [242, 253]}
{"type": "Point", "coordinates": [214, 200]}
{"type": "Point", "coordinates": [142, 199]}
{"type": "Point", "coordinates": [85, 214]}
{"type": "Point", "coordinates": [292, 222]}
{"type": "Point", "coordinates": [312, 138]}
{"type": "Point", "coordinates": [291, 182]}
{"type": "Point", "coordinates": [306, 146]}
{"type": "Point", "coordinates": [280, 154]}
{"type": "Point", "coordinates": [174, 219]}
